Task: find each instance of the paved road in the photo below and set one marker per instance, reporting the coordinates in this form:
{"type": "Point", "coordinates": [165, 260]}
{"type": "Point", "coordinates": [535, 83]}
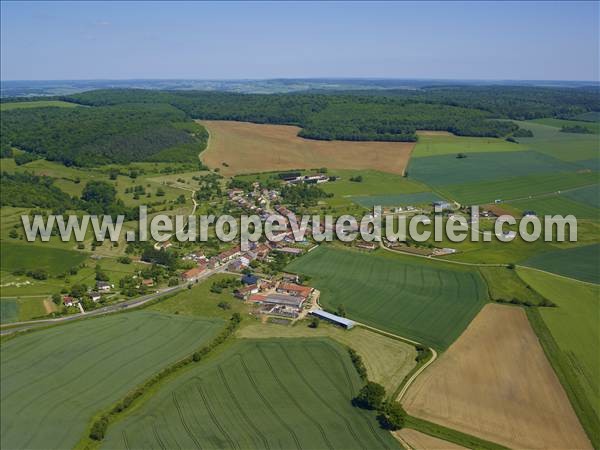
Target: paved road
{"type": "Point", "coordinates": [127, 304]}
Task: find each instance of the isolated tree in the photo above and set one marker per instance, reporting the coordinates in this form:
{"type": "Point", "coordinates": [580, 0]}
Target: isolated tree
{"type": "Point", "coordinates": [370, 396]}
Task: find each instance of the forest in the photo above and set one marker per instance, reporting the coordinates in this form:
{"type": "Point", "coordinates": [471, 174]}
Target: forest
{"type": "Point", "coordinates": [126, 125]}
{"type": "Point", "coordinates": [102, 135]}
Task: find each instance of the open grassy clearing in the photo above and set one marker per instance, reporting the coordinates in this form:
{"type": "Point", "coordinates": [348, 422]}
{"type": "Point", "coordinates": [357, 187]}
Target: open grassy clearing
{"type": "Point", "coordinates": [570, 336]}
{"type": "Point", "coordinates": [66, 374]}
{"type": "Point", "coordinates": [505, 285]}
{"type": "Point", "coordinates": [495, 382]}
{"type": "Point", "coordinates": [387, 360]}
{"type": "Point", "coordinates": [581, 263]}
{"type": "Point", "coordinates": [18, 309]}
{"type": "Point", "coordinates": [559, 123]}
{"type": "Point", "coordinates": [448, 144]}
{"type": "Point", "coordinates": [36, 104]}
{"type": "Point", "coordinates": [241, 147]}
{"type": "Point", "coordinates": [565, 146]}
{"type": "Point", "coordinates": [482, 192]}
{"type": "Point", "coordinates": [421, 300]}
{"type": "Point", "coordinates": [200, 301]}
{"type": "Point", "coordinates": [257, 394]}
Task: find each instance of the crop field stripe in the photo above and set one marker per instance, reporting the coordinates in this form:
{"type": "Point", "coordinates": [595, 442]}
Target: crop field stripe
{"type": "Point", "coordinates": [83, 354]}
{"type": "Point", "coordinates": [268, 404]}
{"type": "Point", "coordinates": [156, 436]}
{"type": "Point", "coordinates": [294, 400]}
{"type": "Point", "coordinates": [325, 374]}
{"type": "Point", "coordinates": [247, 419]}
{"type": "Point", "coordinates": [214, 419]}
{"type": "Point", "coordinates": [184, 422]}
{"type": "Point", "coordinates": [319, 398]}
{"type": "Point", "coordinates": [101, 398]}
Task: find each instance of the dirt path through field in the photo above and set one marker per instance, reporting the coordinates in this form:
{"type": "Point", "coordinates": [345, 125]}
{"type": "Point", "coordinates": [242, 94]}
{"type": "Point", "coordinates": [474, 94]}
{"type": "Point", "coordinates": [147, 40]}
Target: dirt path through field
{"type": "Point", "coordinates": [416, 440]}
{"type": "Point", "coordinates": [496, 383]}
{"type": "Point", "coordinates": [242, 147]}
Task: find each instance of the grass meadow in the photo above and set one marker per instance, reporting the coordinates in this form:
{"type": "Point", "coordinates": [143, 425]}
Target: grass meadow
{"type": "Point", "coordinates": [432, 303]}
{"type": "Point", "coordinates": [53, 381]}
{"type": "Point", "coordinates": [279, 393]}
{"type": "Point", "coordinates": [435, 144]}
{"type": "Point", "coordinates": [570, 336]}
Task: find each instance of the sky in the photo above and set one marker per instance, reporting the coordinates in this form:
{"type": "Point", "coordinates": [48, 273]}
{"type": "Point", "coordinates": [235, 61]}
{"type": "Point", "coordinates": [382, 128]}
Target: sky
{"type": "Point", "coordinates": [254, 40]}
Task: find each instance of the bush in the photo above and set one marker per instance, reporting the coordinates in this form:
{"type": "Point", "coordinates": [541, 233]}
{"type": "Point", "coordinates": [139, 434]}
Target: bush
{"type": "Point", "coordinates": [391, 417]}
{"type": "Point", "coordinates": [99, 429]}
{"type": "Point", "coordinates": [314, 322]}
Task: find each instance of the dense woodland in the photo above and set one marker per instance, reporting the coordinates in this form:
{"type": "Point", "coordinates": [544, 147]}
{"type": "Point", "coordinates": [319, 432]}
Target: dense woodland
{"type": "Point", "coordinates": [126, 125]}
{"type": "Point", "coordinates": [100, 135]}
{"type": "Point", "coordinates": [28, 190]}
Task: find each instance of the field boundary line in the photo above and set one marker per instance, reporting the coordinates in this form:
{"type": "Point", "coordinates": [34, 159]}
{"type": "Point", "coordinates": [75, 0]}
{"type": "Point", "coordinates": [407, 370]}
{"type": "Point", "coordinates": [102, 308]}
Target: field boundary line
{"type": "Point", "coordinates": [588, 283]}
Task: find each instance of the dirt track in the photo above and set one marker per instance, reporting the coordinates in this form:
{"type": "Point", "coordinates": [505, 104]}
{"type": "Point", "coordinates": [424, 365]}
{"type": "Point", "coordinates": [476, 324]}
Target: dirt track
{"type": "Point", "coordinates": [248, 147]}
{"type": "Point", "coordinates": [421, 441]}
{"type": "Point", "coordinates": [496, 383]}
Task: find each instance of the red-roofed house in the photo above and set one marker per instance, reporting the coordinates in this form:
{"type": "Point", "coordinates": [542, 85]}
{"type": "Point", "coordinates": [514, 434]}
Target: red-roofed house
{"type": "Point", "coordinates": [294, 289]}
{"type": "Point", "coordinates": [192, 274]}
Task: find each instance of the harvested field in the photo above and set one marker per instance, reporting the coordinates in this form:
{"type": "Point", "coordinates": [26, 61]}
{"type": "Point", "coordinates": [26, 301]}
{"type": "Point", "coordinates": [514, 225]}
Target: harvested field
{"type": "Point", "coordinates": [422, 441]}
{"type": "Point", "coordinates": [241, 147]}
{"type": "Point", "coordinates": [496, 383]}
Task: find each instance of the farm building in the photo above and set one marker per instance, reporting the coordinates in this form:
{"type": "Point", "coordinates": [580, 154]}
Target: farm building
{"type": "Point", "coordinates": [244, 292]}
{"type": "Point", "coordinates": [278, 299]}
{"type": "Point", "coordinates": [289, 250]}
{"type": "Point", "coordinates": [192, 274]}
{"type": "Point", "coordinates": [346, 323]}
{"type": "Point", "coordinates": [441, 206]}
{"type": "Point", "coordinates": [294, 289]}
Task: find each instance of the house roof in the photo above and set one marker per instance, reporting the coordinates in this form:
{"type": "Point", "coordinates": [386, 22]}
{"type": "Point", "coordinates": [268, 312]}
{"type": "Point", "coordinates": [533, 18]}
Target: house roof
{"type": "Point", "coordinates": [282, 299]}
{"type": "Point", "coordinates": [192, 272]}
{"type": "Point", "coordinates": [249, 279]}
{"type": "Point", "coordinates": [291, 287]}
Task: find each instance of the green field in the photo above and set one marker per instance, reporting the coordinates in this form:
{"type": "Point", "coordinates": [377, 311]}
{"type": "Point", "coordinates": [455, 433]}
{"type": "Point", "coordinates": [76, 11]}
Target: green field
{"type": "Point", "coordinates": [396, 199]}
{"type": "Point", "coordinates": [442, 144]}
{"type": "Point", "coordinates": [590, 195]}
{"type": "Point", "coordinates": [443, 170]}
{"type": "Point", "coordinates": [482, 192]}
{"type": "Point", "coordinates": [33, 256]}
{"type": "Point", "coordinates": [257, 394]}
{"type": "Point", "coordinates": [564, 146]}
{"type": "Point", "coordinates": [9, 310]}
{"type": "Point", "coordinates": [53, 381]}
{"type": "Point", "coordinates": [559, 123]}
{"type": "Point", "coordinates": [556, 204]}
{"type": "Point", "coordinates": [581, 263]}
{"type": "Point", "coordinates": [36, 104]}
{"type": "Point", "coordinates": [574, 328]}
{"type": "Point", "coordinates": [505, 285]}
{"type": "Point", "coordinates": [428, 302]}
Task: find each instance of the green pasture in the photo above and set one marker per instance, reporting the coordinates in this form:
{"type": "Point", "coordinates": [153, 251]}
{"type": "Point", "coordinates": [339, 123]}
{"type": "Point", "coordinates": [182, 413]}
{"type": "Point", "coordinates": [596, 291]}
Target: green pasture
{"type": "Point", "coordinates": [442, 144]}
{"type": "Point", "coordinates": [66, 374]}
{"type": "Point", "coordinates": [573, 345]}
{"type": "Point", "coordinates": [564, 146]}
{"type": "Point", "coordinates": [505, 285]}
{"type": "Point", "coordinates": [36, 104]}
{"type": "Point", "coordinates": [396, 199]}
{"type": "Point", "coordinates": [430, 302]}
{"type": "Point", "coordinates": [30, 256]}
{"type": "Point", "coordinates": [9, 310]}
{"type": "Point", "coordinates": [590, 195]}
{"type": "Point", "coordinates": [522, 187]}
{"type": "Point", "coordinates": [559, 123]}
{"type": "Point", "coordinates": [581, 263]}
{"type": "Point", "coordinates": [280, 393]}
{"type": "Point", "coordinates": [443, 170]}
{"type": "Point", "coordinates": [556, 204]}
